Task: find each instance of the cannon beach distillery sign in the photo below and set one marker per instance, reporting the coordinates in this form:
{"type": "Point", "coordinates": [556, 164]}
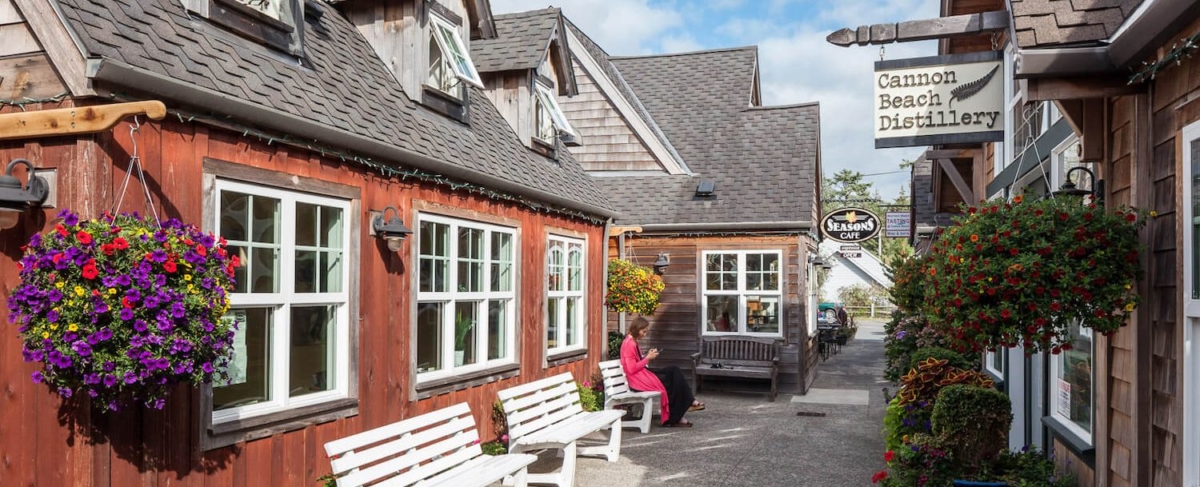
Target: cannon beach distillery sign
{"type": "Point", "coordinates": [850, 225]}
{"type": "Point", "coordinates": [939, 100]}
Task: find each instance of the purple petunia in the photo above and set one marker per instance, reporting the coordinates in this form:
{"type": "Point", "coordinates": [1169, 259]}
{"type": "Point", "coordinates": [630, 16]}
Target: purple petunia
{"type": "Point", "coordinates": [109, 380]}
{"type": "Point", "coordinates": [123, 280]}
{"type": "Point", "coordinates": [54, 296]}
{"type": "Point", "coordinates": [82, 348]}
{"type": "Point", "coordinates": [158, 256]}
{"type": "Point", "coordinates": [37, 377]}
{"type": "Point", "coordinates": [65, 392]}
{"type": "Point", "coordinates": [139, 326]}
{"type": "Point", "coordinates": [207, 367]}
{"type": "Point", "coordinates": [52, 316]}
{"type": "Point", "coordinates": [130, 378]}
{"type": "Point", "coordinates": [126, 314]}
{"type": "Point", "coordinates": [32, 355]}
{"type": "Point", "coordinates": [109, 366]}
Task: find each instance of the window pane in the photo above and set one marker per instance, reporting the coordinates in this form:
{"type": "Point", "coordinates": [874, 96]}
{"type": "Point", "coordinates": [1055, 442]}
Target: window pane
{"type": "Point", "coordinates": [763, 314]}
{"type": "Point", "coordinates": [429, 336]}
{"type": "Point", "coordinates": [306, 271]}
{"type": "Point", "coordinates": [435, 239]}
{"type": "Point", "coordinates": [306, 224]}
{"type": "Point", "coordinates": [466, 319]}
{"type": "Point", "coordinates": [556, 267]}
{"type": "Point", "coordinates": [712, 281]}
{"type": "Point", "coordinates": [331, 272]}
{"type": "Point", "coordinates": [771, 281]}
{"type": "Point", "coordinates": [552, 321]}
{"type": "Point", "coordinates": [729, 281]}
{"type": "Point", "coordinates": [1074, 393]}
{"type": "Point", "coordinates": [770, 262]}
{"type": "Point", "coordinates": [470, 260]}
{"type": "Point", "coordinates": [250, 368]}
{"type": "Point", "coordinates": [331, 227]}
{"type": "Point", "coordinates": [264, 270]}
{"type": "Point", "coordinates": [572, 325]}
{"type": "Point", "coordinates": [234, 215]}
{"type": "Point", "coordinates": [754, 281]}
{"type": "Point", "coordinates": [501, 256]}
{"type": "Point", "coordinates": [240, 283]}
{"type": "Point", "coordinates": [722, 313]}
{"type": "Point", "coordinates": [575, 267]}
{"type": "Point", "coordinates": [497, 329]}
{"type": "Point", "coordinates": [719, 262]}
{"type": "Point", "coordinates": [266, 220]}
{"type": "Point", "coordinates": [754, 262]}
{"type": "Point", "coordinates": [313, 357]}
{"type": "Point", "coordinates": [434, 248]}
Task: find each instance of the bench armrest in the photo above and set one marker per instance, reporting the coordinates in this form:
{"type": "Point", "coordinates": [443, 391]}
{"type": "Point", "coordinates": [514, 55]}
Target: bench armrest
{"type": "Point", "coordinates": [695, 356]}
{"type": "Point", "coordinates": [775, 360]}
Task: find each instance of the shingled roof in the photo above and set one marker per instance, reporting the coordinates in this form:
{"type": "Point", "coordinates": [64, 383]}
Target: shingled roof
{"type": "Point", "coordinates": [764, 160]}
{"type": "Point", "coordinates": [343, 85]}
{"type": "Point", "coordinates": [1043, 23]}
{"type": "Point", "coordinates": [521, 41]}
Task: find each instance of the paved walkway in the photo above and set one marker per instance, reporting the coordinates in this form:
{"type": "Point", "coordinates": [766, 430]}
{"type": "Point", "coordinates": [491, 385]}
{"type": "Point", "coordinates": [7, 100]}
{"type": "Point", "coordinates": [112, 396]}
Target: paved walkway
{"type": "Point", "coordinates": [744, 440]}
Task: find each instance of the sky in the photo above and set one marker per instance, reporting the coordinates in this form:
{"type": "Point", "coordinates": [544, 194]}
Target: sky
{"type": "Point", "coordinates": [796, 64]}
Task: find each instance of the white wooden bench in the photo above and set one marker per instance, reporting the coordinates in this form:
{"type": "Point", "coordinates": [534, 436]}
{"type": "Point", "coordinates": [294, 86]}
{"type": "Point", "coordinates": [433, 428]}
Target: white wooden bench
{"type": "Point", "coordinates": [440, 448]}
{"type": "Point", "coordinates": [546, 414]}
{"type": "Point", "coordinates": [618, 393]}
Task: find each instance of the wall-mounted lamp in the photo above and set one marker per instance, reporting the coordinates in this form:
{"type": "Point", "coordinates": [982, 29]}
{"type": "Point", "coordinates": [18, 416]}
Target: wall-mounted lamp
{"type": "Point", "coordinates": [1069, 188]}
{"type": "Point", "coordinates": [15, 198]}
{"type": "Point", "coordinates": [661, 263]}
{"type": "Point", "coordinates": [817, 261]}
{"type": "Point", "coordinates": [390, 229]}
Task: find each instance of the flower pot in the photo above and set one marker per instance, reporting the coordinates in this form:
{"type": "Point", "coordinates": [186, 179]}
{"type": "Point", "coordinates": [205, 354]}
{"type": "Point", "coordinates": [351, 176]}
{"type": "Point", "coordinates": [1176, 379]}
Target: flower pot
{"type": "Point", "coordinates": [459, 356]}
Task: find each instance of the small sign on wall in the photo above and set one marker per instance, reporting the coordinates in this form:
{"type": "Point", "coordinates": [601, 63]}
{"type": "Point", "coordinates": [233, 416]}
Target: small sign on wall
{"type": "Point", "coordinates": [850, 225]}
{"type": "Point", "coordinates": [1064, 398]}
{"type": "Point", "coordinates": [932, 100]}
{"type": "Point", "coordinates": [898, 223]}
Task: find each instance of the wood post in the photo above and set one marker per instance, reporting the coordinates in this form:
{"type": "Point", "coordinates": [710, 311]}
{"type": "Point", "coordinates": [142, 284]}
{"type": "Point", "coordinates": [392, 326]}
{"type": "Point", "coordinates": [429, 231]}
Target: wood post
{"type": "Point", "coordinates": [76, 120]}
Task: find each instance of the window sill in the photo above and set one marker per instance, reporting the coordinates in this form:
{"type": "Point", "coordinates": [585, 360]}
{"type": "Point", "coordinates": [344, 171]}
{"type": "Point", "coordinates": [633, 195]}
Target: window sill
{"type": "Point", "coordinates": [438, 102]}
{"type": "Point", "coordinates": [562, 358]}
{"type": "Point", "coordinates": [252, 24]}
{"type": "Point", "coordinates": [1080, 447]}
{"type": "Point", "coordinates": [543, 148]}
{"type": "Point", "coordinates": [436, 387]}
{"type": "Point", "coordinates": [230, 432]}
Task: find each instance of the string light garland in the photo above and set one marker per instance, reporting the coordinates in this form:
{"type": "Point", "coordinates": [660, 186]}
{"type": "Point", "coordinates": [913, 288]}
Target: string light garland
{"type": "Point", "coordinates": [1181, 50]}
{"type": "Point", "coordinates": [33, 101]}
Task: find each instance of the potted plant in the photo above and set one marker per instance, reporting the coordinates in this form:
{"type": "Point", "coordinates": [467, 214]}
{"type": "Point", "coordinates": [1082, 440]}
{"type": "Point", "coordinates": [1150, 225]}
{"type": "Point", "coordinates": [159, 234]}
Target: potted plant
{"type": "Point", "coordinates": [462, 327]}
{"type": "Point", "coordinates": [632, 288]}
{"type": "Point", "coordinates": [1018, 274]}
{"type": "Point", "coordinates": [119, 308]}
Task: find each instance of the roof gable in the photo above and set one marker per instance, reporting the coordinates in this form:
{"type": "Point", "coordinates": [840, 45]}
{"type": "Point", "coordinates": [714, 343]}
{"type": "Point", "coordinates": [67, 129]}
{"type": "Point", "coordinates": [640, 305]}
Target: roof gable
{"type": "Point", "coordinates": [524, 40]}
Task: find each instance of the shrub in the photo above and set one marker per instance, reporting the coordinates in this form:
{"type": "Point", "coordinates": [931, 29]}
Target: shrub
{"type": "Point", "coordinates": [121, 308]}
{"type": "Point", "coordinates": [908, 283]}
{"type": "Point", "coordinates": [973, 421]}
{"type": "Point", "coordinates": [902, 421]}
{"type": "Point", "coordinates": [494, 448]}
{"type": "Point", "coordinates": [615, 338]}
{"type": "Point", "coordinates": [1030, 468]}
{"type": "Point", "coordinates": [923, 383]}
{"type": "Point", "coordinates": [900, 342]}
{"type": "Point", "coordinates": [632, 288]}
{"type": "Point", "coordinates": [923, 462]}
{"type": "Point", "coordinates": [590, 399]}
{"type": "Point", "coordinates": [952, 358]}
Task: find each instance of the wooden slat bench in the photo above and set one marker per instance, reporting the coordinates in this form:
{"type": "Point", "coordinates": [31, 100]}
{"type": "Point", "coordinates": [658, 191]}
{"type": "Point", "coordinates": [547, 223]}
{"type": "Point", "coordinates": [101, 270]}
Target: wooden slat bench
{"type": "Point", "coordinates": [737, 356]}
{"type": "Point", "coordinates": [546, 414]}
{"type": "Point", "coordinates": [440, 448]}
{"type": "Point", "coordinates": [617, 393]}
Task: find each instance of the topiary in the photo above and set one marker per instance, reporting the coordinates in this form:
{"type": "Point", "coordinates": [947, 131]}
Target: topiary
{"type": "Point", "coordinates": [973, 421]}
{"type": "Point", "coordinates": [952, 358]}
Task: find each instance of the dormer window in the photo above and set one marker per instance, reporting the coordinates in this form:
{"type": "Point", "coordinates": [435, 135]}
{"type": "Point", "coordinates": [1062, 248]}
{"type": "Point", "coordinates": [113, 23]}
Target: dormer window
{"type": "Point", "coordinates": [549, 117]}
{"type": "Point", "coordinates": [278, 24]}
{"type": "Point", "coordinates": [448, 56]}
{"type": "Point", "coordinates": [270, 8]}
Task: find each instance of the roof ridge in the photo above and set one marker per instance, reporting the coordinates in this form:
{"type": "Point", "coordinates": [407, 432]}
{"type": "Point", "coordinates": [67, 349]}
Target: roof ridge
{"type": "Point", "coordinates": [530, 13]}
{"type": "Point", "coordinates": [753, 48]}
{"type": "Point", "coordinates": [793, 105]}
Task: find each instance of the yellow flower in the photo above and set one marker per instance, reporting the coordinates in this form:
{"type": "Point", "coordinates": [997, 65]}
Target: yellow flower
{"type": "Point", "coordinates": [53, 326]}
{"type": "Point", "coordinates": [79, 290]}
{"type": "Point", "coordinates": [45, 335]}
{"type": "Point", "coordinates": [187, 277]}
{"type": "Point", "coordinates": [1129, 307]}
{"type": "Point", "coordinates": [112, 291]}
{"type": "Point", "coordinates": [1127, 286]}
{"type": "Point", "coordinates": [59, 284]}
{"type": "Point", "coordinates": [1153, 214]}
{"type": "Point", "coordinates": [73, 327]}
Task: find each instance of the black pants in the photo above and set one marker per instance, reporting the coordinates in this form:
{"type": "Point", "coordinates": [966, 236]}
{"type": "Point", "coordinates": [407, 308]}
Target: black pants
{"type": "Point", "coordinates": [679, 393]}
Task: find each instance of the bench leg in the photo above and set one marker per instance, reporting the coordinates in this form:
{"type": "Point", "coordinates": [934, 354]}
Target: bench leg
{"type": "Point", "coordinates": [647, 415]}
{"type": "Point", "coordinates": [565, 477]}
{"type": "Point", "coordinates": [611, 451]}
{"type": "Point", "coordinates": [521, 478]}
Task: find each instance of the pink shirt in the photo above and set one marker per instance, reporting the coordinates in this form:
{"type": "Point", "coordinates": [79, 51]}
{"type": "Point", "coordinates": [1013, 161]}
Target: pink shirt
{"type": "Point", "coordinates": [639, 378]}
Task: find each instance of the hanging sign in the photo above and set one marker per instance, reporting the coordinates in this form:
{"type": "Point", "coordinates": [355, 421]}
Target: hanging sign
{"type": "Point", "coordinates": [850, 225]}
{"type": "Point", "coordinates": [951, 99]}
{"type": "Point", "coordinates": [898, 223]}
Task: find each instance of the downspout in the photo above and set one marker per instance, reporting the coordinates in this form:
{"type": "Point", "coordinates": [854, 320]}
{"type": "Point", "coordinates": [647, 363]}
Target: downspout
{"type": "Point", "coordinates": [620, 255]}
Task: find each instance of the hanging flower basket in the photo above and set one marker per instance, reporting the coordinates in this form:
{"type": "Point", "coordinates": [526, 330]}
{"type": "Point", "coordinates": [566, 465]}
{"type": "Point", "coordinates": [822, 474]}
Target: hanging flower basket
{"type": "Point", "coordinates": [1020, 274]}
{"type": "Point", "coordinates": [632, 288]}
{"type": "Point", "coordinates": [120, 310]}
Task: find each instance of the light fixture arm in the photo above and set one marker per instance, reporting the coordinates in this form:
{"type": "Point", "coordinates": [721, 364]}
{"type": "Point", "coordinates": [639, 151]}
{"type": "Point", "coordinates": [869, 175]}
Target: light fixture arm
{"type": "Point", "coordinates": [32, 193]}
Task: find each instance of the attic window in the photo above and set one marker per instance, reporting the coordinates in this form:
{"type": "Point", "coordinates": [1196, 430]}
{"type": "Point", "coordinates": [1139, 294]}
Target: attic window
{"type": "Point", "coordinates": [270, 8]}
{"type": "Point", "coordinates": [453, 53]}
{"type": "Point", "coordinates": [706, 189]}
{"type": "Point", "coordinates": [273, 23]}
{"type": "Point", "coordinates": [550, 117]}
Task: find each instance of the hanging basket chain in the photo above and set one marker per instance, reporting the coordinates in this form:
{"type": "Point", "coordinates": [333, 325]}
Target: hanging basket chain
{"type": "Point", "coordinates": [136, 164]}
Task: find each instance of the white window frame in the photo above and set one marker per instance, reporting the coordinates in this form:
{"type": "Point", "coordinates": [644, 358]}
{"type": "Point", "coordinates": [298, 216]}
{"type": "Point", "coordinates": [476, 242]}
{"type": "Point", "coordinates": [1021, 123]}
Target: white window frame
{"type": "Point", "coordinates": [1005, 149]}
{"type": "Point", "coordinates": [1191, 329]}
{"type": "Point", "coordinates": [549, 103]}
{"type": "Point", "coordinates": [449, 299]}
{"type": "Point", "coordinates": [454, 54]}
{"type": "Point", "coordinates": [813, 291]}
{"type": "Point", "coordinates": [282, 301]}
{"type": "Point", "coordinates": [566, 294]}
{"type": "Point", "coordinates": [989, 359]}
{"type": "Point", "coordinates": [1056, 364]}
{"type": "Point", "coordinates": [741, 292]}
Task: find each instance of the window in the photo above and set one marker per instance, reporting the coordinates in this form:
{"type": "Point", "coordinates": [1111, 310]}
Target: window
{"type": "Point", "coordinates": [742, 292]}
{"type": "Point", "coordinates": [270, 8]}
{"type": "Point", "coordinates": [1071, 384]}
{"type": "Point", "coordinates": [448, 55]}
{"type": "Point", "coordinates": [293, 344]}
{"type": "Point", "coordinates": [566, 310]}
{"type": "Point", "coordinates": [994, 362]}
{"type": "Point", "coordinates": [465, 310]}
{"type": "Point", "coordinates": [549, 115]}
{"type": "Point", "coordinates": [1190, 174]}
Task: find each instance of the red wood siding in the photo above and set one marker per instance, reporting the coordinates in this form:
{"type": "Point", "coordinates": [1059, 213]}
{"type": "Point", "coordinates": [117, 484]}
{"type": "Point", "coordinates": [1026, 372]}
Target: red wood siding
{"type": "Point", "coordinates": [160, 448]}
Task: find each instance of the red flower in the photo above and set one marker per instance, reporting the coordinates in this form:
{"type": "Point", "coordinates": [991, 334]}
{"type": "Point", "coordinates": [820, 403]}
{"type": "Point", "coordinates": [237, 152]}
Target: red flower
{"type": "Point", "coordinates": [108, 248]}
{"type": "Point", "coordinates": [56, 258]}
{"type": "Point", "coordinates": [1055, 306]}
{"type": "Point", "coordinates": [126, 302]}
{"type": "Point", "coordinates": [1013, 251]}
{"type": "Point", "coordinates": [879, 476]}
{"type": "Point", "coordinates": [89, 271]}
{"type": "Point", "coordinates": [62, 231]}
{"type": "Point", "coordinates": [888, 455]}
{"type": "Point", "coordinates": [1130, 217]}
{"type": "Point", "coordinates": [202, 250]}
{"type": "Point", "coordinates": [169, 266]}
{"type": "Point", "coordinates": [120, 243]}
{"type": "Point", "coordinates": [83, 237]}
{"type": "Point", "coordinates": [1005, 314]}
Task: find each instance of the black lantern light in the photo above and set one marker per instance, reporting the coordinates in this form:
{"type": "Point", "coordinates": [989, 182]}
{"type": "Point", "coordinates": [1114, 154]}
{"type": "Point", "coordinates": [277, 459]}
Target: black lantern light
{"type": "Point", "coordinates": [15, 198]}
{"type": "Point", "coordinates": [661, 263]}
{"type": "Point", "coordinates": [390, 229]}
{"type": "Point", "coordinates": [1069, 188]}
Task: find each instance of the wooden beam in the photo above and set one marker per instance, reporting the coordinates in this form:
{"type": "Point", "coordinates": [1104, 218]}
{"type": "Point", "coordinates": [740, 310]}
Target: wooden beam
{"type": "Point", "coordinates": [43, 20]}
{"type": "Point", "coordinates": [1094, 133]}
{"type": "Point", "coordinates": [1076, 88]}
{"type": "Point", "coordinates": [78, 120]}
{"type": "Point", "coordinates": [933, 154]}
{"type": "Point", "coordinates": [614, 231]}
{"type": "Point", "coordinates": [959, 183]}
{"type": "Point", "coordinates": [921, 30]}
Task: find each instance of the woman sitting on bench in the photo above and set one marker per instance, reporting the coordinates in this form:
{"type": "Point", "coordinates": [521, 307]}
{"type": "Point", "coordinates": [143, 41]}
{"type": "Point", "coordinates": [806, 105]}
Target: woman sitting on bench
{"type": "Point", "coordinates": [677, 398]}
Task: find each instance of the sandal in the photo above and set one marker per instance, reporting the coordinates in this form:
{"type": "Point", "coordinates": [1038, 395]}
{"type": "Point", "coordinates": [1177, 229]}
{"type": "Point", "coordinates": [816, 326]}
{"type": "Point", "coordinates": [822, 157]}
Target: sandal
{"type": "Point", "coordinates": [697, 406]}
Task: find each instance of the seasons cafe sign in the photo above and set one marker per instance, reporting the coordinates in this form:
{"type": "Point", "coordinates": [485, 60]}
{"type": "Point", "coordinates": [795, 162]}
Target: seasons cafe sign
{"type": "Point", "coordinates": [939, 100]}
{"type": "Point", "coordinates": [850, 225]}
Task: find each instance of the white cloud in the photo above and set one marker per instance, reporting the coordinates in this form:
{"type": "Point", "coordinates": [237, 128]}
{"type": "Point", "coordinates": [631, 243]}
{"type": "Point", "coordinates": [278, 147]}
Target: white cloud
{"type": "Point", "coordinates": [621, 27]}
{"type": "Point", "coordinates": [682, 43]}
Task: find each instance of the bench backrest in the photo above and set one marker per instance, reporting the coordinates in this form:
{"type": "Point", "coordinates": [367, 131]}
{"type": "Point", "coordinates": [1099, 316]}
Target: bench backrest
{"type": "Point", "coordinates": [538, 404]}
{"type": "Point", "coordinates": [614, 378]}
{"type": "Point", "coordinates": [406, 452]}
{"type": "Point", "coordinates": [735, 350]}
